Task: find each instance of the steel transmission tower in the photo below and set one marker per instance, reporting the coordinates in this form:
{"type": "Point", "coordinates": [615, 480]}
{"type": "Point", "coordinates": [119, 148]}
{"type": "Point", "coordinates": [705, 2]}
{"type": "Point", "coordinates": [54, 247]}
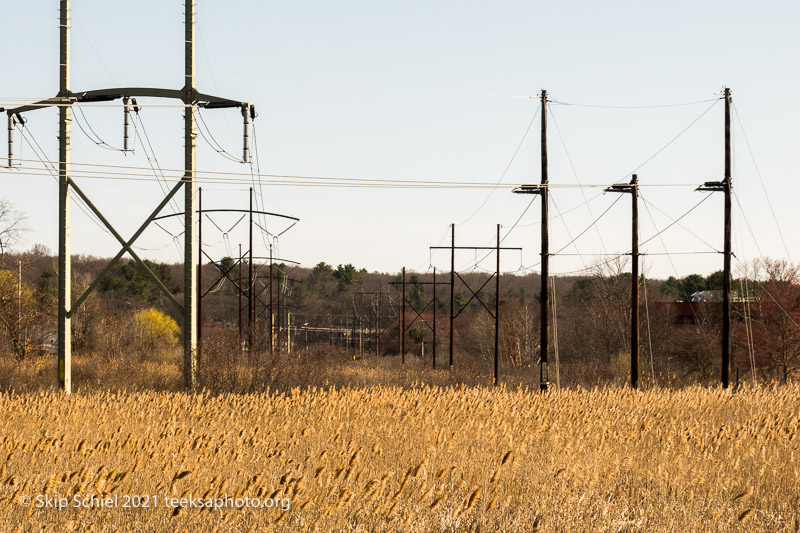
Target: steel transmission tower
{"type": "Point", "coordinates": [190, 98]}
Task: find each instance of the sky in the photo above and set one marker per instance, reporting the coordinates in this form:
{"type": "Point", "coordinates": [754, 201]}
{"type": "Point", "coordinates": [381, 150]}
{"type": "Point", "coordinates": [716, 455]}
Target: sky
{"type": "Point", "coordinates": [438, 91]}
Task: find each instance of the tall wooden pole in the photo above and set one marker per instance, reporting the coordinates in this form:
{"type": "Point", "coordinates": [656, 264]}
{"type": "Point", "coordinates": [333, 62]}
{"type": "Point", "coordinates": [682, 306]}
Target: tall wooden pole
{"type": "Point", "coordinates": [434, 318]}
{"type": "Point", "coordinates": [545, 265]}
{"type": "Point", "coordinates": [271, 299]}
{"type": "Point", "coordinates": [634, 281]}
{"type": "Point", "coordinates": [403, 322]}
{"type": "Point", "coordinates": [64, 258]}
{"type": "Point", "coordinates": [378, 325]}
{"type": "Point", "coordinates": [497, 312]}
{"type": "Point", "coordinates": [278, 313]}
{"type": "Point", "coordinates": [241, 338]}
{"type": "Point", "coordinates": [452, 286]}
{"type": "Point", "coordinates": [250, 284]}
{"type": "Point", "coordinates": [726, 282]}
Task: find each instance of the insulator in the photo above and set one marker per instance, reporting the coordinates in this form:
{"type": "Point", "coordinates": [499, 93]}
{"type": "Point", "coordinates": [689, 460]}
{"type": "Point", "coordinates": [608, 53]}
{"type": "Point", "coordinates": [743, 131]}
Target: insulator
{"type": "Point", "coordinates": [221, 105]}
{"type": "Point", "coordinates": [11, 123]}
{"type": "Point", "coordinates": [246, 135]}
{"type": "Point", "coordinates": [126, 123]}
{"type": "Point", "coordinates": [99, 97]}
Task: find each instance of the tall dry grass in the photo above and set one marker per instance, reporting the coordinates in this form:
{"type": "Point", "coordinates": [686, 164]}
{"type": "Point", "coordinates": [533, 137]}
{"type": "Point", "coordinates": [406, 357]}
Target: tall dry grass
{"type": "Point", "coordinates": [418, 459]}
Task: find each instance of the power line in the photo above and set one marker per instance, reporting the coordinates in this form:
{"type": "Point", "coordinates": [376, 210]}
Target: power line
{"type": "Point", "coordinates": [215, 145]}
{"type": "Point", "coordinates": [761, 180]}
{"type": "Point", "coordinates": [614, 258]}
{"type": "Point", "coordinates": [684, 130]}
{"type": "Point", "coordinates": [446, 183]}
{"type": "Point", "coordinates": [689, 231]}
{"type": "Point", "coordinates": [508, 166]}
{"type": "Point", "coordinates": [575, 173]}
{"type": "Point", "coordinates": [677, 220]}
{"type": "Point", "coordinates": [652, 106]}
{"type": "Point", "coordinates": [153, 158]}
{"type": "Point", "coordinates": [593, 224]}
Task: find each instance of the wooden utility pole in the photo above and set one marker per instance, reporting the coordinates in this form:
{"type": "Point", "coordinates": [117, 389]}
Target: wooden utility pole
{"type": "Point", "coordinates": [545, 270]}
{"type": "Point", "coordinates": [633, 190]}
{"type": "Point", "coordinates": [634, 281]}
{"type": "Point", "coordinates": [452, 286]}
{"type": "Point", "coordinates": [278, 312]}
{"type": "Point", "coordinates": [725, 186]}
{"type": "Point", "coordinates": [378, 325]}
{"type": "Point", "coordinates": [403, 322]}
{"type": "Point", "coordinates": [542, 190]}
{"type": "Point", "coordinates": [22, 340]}
{"type": "Point", "coordinates": [271, 299]}
{"type": "Point", "coordinates": [434, 318]}
{"type": "Point", "coordinates": [476, 295]}
{"type": "Point", "coordinates": [241, 338]}
{"type": "Point", "coordinates": [726, 282]}
{"type": "Point", "coordinates": [497, 313]}
{"type": "Point", "coordinates": [250, 284]}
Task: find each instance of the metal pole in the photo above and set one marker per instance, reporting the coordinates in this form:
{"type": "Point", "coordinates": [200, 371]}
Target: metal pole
{"type": "Point", "coordinates": [288, 333]}
{"type": "Point", "coordinates": [250, 284]}
{"type": "Point", "coordinates": [634, 281]}
{"type": "Point", "coordinates": [434, 318]}
{"type": "Point", "coordinates": [497, 312]}
{"type": "Point", "coordinates": [452, 285]}
{"type": "Point", "coordinates": [545, 267]}
{"type": "Point", "coordinates": [64, 252]}
{"type": "Point", "coordinates": [726, 282]}
{"type": "Point", "coordinates": [403, 323]}
{"type": "Point", "coordinates": [190, 216]}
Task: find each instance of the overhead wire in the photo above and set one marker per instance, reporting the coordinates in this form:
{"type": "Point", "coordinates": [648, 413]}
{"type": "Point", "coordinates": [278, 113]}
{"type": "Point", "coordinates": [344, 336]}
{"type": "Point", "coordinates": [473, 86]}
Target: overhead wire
{"type": "Point", "coordinates": [53, 172]}
{"type": "Point", "coordinates": [675, 138]}
{"type": "Point", "coordinates": [213, 143]}
{"type": "Point", "coordinates": [446, 183]}
{"type": "Point", "coordinates": [650, 106]}
{"type": "Point", "coordinates": [97, 139]}
{"type": "Point", "coordinates": [649, 333]}
{"type": "Point", "coordinates": [614, 258]}
{"type": "Point", "coordinates": [761, 181]}
{"type": "Point", "coordinates": [745, 298]}
{"type": "Point", "coordinates": [152, 160]}
{"type": "Point", "coordinates": [660, 238]}
{"type": "Point", "coordinates": [505, 171]}
{"type": "Point", "coordinates": [577, 178]}
{"type": "Point", "coordinates": [688, 230]}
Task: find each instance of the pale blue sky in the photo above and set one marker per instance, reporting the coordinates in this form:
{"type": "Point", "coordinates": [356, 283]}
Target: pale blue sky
{"type": "Point", "coordinates": [437, 91]}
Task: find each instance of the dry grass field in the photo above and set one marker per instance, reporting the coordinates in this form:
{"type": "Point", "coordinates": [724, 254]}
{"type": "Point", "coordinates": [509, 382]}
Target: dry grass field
{"type": "Point", "coordinates": [393, 459]}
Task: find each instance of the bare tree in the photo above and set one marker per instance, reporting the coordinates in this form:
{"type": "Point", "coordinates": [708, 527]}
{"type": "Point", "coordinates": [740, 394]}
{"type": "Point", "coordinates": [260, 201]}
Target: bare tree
{"type": "Point", "coordinates": [12, 224]}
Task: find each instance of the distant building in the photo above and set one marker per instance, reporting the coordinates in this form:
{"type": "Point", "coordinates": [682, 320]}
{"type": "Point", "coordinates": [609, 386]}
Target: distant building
{"type": "Point", "coordinates": [712, 296]}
